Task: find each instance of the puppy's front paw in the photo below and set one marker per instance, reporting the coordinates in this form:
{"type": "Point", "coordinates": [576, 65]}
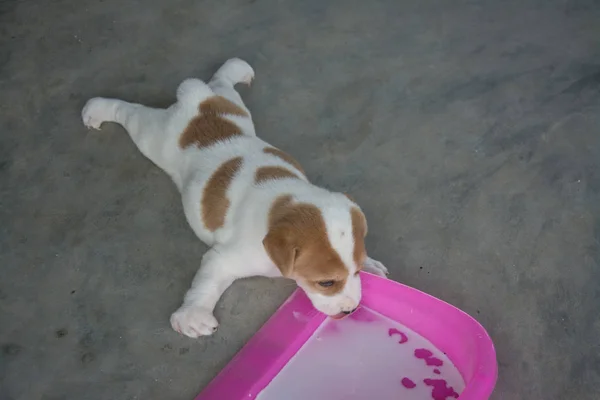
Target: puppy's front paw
{"type": "Point", "coordinates": [375, 267]}
{"type": "Point", "coordinates": [194, 321]}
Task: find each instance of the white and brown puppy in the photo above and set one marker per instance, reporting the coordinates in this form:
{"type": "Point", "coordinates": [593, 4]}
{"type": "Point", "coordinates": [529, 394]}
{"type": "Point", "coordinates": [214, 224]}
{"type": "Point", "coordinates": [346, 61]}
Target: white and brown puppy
{"type": "Point", "coordinates": [249, 201]}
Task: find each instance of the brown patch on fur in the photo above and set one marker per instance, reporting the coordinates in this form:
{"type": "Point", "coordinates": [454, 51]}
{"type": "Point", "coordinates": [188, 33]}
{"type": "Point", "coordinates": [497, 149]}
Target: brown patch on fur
{"type": "Point", "coordinates": [272, 172]}
{"type": "Point", "coordinates": [359, 231]}
{"type": "Point", "coordinates": [298, 244]}
{"type": "Point", "coordinates": [210, 127]}
{"type": "Point", "coordinates": [219, 105]}
{"type": "Point", "coordinates": [214, 199]}
{"type": "Point", "coordinates": [206, 130]}
{"type": "Point", "coordinates": [285, 157]}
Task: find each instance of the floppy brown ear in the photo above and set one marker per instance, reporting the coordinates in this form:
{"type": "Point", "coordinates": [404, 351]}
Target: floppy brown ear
{"type": "Point", "coordinates": [359, 222]}
{"type": "Point", "coordinates": [281, 249]}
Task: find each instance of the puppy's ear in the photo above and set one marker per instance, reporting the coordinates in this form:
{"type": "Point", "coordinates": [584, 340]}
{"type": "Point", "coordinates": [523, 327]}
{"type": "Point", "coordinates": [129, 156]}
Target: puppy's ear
{"type": "Point", "coordinates": [280, 246]}
{"type": "Point", "coordinates": [359, 223]}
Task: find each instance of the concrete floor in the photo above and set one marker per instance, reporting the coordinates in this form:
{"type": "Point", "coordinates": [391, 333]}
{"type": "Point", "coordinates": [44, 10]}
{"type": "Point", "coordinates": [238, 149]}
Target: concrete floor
{"type": "Point", "coordinates": [468, 130]}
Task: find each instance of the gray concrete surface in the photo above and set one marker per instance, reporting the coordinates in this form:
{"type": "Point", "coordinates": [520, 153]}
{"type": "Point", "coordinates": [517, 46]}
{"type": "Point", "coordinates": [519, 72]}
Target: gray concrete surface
{"type": "Point", "coordinates": [468, 130]}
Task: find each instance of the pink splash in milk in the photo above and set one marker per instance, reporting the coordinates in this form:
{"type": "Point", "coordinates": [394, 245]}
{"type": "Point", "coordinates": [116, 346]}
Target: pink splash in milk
{"type": "Point", "coordinates": [428, 357]}
{"type": "Point", "coordinates": [441, 390]}
{"type": "Point", "coordinates": [407, 383]}
{"type": "Point", "coordinates": [403, 337]}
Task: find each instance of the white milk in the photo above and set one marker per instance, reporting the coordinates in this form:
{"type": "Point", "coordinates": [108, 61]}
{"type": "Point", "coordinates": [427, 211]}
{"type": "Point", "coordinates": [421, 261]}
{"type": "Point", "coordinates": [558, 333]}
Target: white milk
{"type": "Point", "coordinates": [355, 358]}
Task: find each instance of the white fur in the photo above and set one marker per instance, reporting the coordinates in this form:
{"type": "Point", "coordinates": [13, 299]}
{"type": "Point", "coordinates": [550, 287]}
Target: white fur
{"type": "Point", "coordinates": [237, 249]}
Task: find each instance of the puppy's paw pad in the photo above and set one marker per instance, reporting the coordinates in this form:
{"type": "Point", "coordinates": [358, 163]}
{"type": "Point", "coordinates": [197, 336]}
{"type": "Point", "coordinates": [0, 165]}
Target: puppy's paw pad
{"type": "Point", "coordinates": [194, 322]}
{"type": "Point", "coordinates": [237, 71]}
{"type": "Point", "coordinates": [95, 112]}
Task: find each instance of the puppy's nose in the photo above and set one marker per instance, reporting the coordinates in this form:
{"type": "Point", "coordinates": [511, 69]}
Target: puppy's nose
{"type": "Point", "coordinates": [349, 312]}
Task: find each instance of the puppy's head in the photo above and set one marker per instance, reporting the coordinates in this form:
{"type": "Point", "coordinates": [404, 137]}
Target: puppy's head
{"type": "Point", "coordinates": [321, 248]}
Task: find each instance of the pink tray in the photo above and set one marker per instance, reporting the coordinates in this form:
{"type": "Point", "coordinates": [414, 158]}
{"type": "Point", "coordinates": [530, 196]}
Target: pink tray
{"type": "Point", "coordinates": [459, 336]}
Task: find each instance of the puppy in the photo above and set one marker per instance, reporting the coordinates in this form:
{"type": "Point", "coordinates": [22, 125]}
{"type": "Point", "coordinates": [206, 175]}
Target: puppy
{"type": "Point", "coordinates": [249, 201]}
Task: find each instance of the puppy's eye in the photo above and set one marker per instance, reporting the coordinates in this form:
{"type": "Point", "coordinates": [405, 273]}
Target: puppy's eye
{"type": "Point", "coordinates": [326, 283]}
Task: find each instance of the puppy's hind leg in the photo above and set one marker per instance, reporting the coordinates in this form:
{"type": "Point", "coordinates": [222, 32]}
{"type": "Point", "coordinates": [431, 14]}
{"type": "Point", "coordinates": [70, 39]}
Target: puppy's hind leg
{"type": "Point", "coordinates": [146, 126]}
{"type": "Point", "coordinates": [232, 72]}
{"type": "Point", "coordinates": [191, 92]}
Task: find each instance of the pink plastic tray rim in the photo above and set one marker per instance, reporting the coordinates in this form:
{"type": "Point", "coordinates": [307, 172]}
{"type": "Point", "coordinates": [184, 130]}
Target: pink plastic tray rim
{"type": "Point", "coordinates": [451, 330]}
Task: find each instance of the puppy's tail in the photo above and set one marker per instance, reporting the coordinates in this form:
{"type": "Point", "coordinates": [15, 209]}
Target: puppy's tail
{"type": "Point", "coordinates": [193, 92]}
